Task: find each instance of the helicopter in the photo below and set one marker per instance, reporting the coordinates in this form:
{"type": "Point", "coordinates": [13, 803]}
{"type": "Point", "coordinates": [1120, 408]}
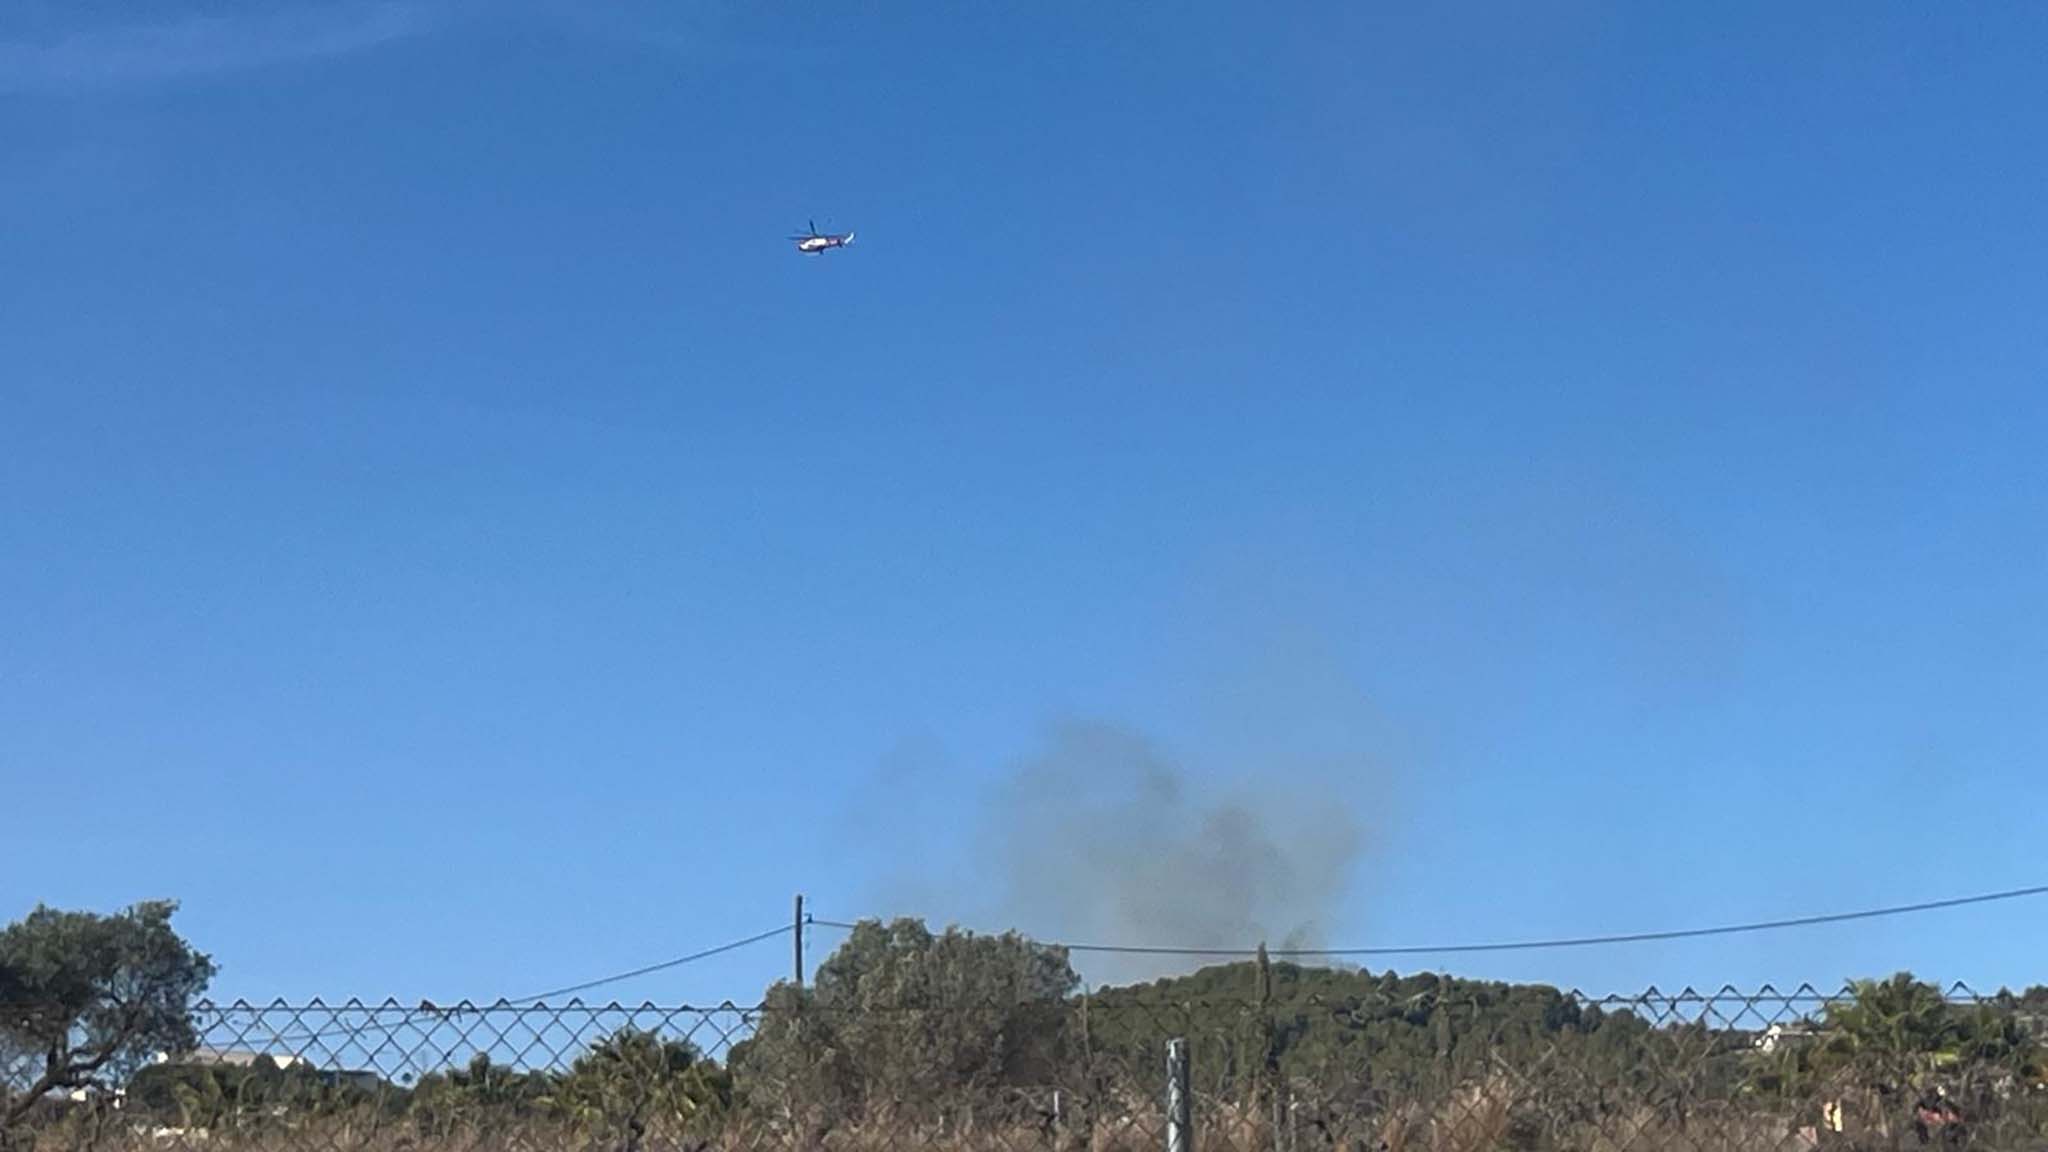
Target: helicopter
{"type": "Point", "coordinates": [813, 242]}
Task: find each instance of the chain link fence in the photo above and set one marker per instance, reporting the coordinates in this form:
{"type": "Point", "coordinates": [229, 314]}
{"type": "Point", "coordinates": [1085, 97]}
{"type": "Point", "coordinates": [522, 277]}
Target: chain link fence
{"type": "Point", "coordinates": [1407, 1064]}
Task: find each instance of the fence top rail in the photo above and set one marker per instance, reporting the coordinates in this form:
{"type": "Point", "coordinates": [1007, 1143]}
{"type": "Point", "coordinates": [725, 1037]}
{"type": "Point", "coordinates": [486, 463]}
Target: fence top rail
{"type": "Point", "coordinates": [1120, 998]}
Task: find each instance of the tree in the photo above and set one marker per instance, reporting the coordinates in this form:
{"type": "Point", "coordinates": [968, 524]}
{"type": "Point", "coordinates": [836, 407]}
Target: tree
{"type": "Point", "coordinates": [1910, 1030]}
{"type": "Point", "coordinates": [911, 1023]}
{"type": "Point", "coordinates": [184, 1095]}
{"type": "Point", "coordinates": [86, 998]}
{"type": "Point", "coordinates": [639, 1080]}
{"type": "Point", "coordinates": [481, 1092]}
{"type": "Point", "coordinates": [1892, 1037]}
{"type": "Point", "coordinates": [1901, 1041]}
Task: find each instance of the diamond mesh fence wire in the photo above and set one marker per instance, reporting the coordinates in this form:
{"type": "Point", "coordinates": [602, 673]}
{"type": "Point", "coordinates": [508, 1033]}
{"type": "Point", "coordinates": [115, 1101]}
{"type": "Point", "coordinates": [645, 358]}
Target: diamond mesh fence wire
{"type": "Point", "coordinates": [1407, 1063]}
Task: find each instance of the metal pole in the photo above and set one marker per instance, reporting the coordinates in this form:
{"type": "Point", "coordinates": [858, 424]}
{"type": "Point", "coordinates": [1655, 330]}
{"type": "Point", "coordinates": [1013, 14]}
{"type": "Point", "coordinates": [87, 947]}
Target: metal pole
{"type": "Point", "coordinates": [1180, 1126]}
{"type": "Point", "coordinates": [799, 936]}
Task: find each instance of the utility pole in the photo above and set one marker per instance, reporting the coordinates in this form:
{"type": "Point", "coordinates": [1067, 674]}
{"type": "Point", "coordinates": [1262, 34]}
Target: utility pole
{"type": "Point", "coordinates": [799, 938]}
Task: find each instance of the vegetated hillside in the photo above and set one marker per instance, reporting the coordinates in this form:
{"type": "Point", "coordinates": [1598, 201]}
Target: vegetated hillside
{"type": "Point", "coordinates": [1383, 1032]}
{"type": "Point", "coordinates": [1347, 1039]}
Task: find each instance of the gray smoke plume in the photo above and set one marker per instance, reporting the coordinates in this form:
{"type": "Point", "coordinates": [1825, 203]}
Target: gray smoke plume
{"type": "Point", "coordinates": [1251, 826]}
{"type": "Point", "coordinates": [1101, 838]}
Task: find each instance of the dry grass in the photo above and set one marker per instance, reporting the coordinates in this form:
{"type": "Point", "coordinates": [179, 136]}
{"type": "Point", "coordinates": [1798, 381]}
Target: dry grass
{"type": "Point", "coordinates": [1498, 1114]}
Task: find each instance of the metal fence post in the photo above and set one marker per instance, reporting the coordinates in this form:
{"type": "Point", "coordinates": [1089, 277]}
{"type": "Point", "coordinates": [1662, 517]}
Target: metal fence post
{"type": "Point", "coordinates": [1180, 1127]}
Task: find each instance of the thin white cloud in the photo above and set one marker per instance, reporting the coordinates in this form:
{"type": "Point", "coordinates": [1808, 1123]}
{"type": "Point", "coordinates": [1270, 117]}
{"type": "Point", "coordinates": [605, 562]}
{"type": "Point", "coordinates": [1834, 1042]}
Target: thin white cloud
{"type": "Point", "coordinates": [200, 45]}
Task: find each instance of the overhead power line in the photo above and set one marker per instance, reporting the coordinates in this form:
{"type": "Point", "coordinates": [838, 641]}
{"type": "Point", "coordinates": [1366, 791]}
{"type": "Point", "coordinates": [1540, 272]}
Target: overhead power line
{"type": "Point", "coordinates": [1330, 953]}
{"type": "Point", "coordinates": [663, 966]}
{"type": "Point", "coordinates": [705, 954]}
{"type": "Point", "coordinates": [1543, 944]}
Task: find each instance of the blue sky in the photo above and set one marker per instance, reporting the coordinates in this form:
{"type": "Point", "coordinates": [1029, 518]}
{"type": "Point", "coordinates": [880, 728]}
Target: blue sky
{"type": "Point", "coordinates": [451, 542]}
